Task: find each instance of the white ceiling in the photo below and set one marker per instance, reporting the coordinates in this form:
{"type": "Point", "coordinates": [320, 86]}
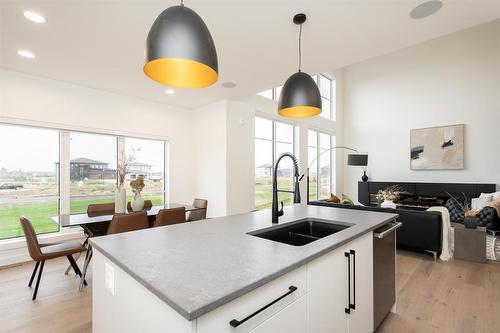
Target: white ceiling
{"type": "Point", "coordinates": [100, 44]}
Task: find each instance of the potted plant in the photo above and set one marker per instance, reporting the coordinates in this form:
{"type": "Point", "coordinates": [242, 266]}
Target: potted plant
{"type": "Point", "coordinates": [388, 195]}
{"type": "Point", "coordinates": [471, 219]}
{"type": "Point", "coordinates": [137, 201]}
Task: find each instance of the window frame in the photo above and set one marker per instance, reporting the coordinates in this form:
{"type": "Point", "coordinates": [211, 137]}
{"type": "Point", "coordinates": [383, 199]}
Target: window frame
{"type": "Point", "coordinates": [333, 159]}
{"type": "Point", "coordinates": [274, 141]}
{"type": "Point", "coordinates": [63, 176]}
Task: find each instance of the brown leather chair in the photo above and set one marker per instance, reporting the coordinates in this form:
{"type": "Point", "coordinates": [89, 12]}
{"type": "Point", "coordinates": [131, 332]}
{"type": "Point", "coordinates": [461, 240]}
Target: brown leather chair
{"type": "Point", "coordinates": [198, 214]}
{"type": "Point", "coordinates": [41, 252]}
{"type": "Point", "coordinates": [120, 223]}
{"type": "Point", "coordinates": [170, 216]}
{"type": "Point", "coordinates": [101, 209]}
{"type": "Point", "coordinates": [128, 222]}
{"type": "Point", "coordinates": [147, 205]}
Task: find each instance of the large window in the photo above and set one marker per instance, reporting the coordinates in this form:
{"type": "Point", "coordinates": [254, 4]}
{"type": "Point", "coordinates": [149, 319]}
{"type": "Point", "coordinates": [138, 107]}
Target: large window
{"type": "Point", "coordinates": [321, 161]}
{"type": "Point", "coordinates": [272, 138]}
{"type": "Point", "coordinates": [92, 170]}
{"type": "Point", "coordinates": [28, 178]}
{"type": "Point", "coordinates": [327, 90]}
{"type": "Point", "coordinates": [30, 181]}
{"type": "Point", "coordinates": [146, 158]}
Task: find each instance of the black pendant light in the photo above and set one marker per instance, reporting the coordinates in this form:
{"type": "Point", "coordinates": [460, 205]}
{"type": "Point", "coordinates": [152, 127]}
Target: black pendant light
{"type": "Point", "coordinates": [300, 97]}
{"type": "Point", "coordinates": [180, 51]}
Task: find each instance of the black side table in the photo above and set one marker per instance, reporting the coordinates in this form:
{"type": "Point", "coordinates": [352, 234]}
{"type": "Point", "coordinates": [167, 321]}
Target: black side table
{"type": "Point", "coordinates": [470, 244]}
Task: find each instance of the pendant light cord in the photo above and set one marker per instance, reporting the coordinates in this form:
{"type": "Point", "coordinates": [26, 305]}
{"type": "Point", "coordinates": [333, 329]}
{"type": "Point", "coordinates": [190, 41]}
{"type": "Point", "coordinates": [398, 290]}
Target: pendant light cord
{"type": "Point", "coordinates": [300, 47]}
{"type": "Point", "coordinates": [182, 2]}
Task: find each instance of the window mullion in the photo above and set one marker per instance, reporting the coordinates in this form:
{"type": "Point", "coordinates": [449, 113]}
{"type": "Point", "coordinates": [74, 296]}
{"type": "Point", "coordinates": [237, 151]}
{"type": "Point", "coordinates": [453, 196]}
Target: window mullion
{"type": "Point", "coordinates": [318, 175]}
{"type": "Point", "coordinates": [120, 153]}
{"type": "Point", "coordinates": [64, 172]}
{"type": "Point", "coordinates": [166, 174]}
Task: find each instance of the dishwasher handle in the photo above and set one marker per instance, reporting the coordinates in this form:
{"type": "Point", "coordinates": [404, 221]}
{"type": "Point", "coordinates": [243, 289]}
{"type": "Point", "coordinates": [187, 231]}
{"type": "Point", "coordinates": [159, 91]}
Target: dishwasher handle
{"type": "Point", "coordinates": [384, 233]}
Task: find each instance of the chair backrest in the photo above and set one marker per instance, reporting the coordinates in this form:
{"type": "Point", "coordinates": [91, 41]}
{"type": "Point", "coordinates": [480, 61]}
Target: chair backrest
{"type": "Point", "coordinates": [170, 216]}
{"type": "Point", "coordinates": [101, 209]}
{"type": "Point", "coordinates": [31, 239]}
{"type": "Point", "coordinates": [128, 222]}
{"type": "Point", "coordinates": [147, 205]}
{"type": "Point", "coordinates": [201, 213]}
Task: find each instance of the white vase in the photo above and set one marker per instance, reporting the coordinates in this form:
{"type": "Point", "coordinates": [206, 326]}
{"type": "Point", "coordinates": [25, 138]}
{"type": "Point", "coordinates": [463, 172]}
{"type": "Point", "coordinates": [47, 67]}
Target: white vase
{"type": "Point", "coordinates": [120, 199]}
{"type": "Point", "coordinates": [137, 202]}
{"type": "Point", "coordinates": [388, 204]}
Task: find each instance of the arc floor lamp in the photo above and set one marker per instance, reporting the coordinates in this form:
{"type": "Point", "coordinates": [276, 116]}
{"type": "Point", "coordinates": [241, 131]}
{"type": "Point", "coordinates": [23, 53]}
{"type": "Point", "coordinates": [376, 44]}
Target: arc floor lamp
{"type": "Point", "coordinates": [356, 159]}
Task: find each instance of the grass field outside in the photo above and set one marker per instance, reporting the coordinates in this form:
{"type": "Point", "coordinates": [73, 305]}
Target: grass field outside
{"type": "Point", "coordinates": [264, 195]}
{"type": "Point", "coordinates": [40, 214]}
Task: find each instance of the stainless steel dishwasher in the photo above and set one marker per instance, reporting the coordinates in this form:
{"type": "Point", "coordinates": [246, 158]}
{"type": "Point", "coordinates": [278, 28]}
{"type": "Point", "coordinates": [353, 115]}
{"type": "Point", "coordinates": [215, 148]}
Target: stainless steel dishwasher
{"type": "Point", "coordinates": [384, 271]}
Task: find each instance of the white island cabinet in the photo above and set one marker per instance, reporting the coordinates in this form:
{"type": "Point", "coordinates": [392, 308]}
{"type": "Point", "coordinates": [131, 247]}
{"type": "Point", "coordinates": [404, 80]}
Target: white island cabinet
{"type": "Point", "coordinates": [332, 293]}
{"type": "Point", "coordinates": [341, 289]}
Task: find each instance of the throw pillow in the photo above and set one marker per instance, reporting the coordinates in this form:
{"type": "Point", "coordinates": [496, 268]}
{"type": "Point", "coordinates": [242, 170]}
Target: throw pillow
{"type": "Point", "coordinates": [482, 201]}
{"type": "Point", "coordinates": [333, 198]}
{"type": "Point", "coordinates": [495, 195]}
{"type": "Point", "coordinates": [346, 200]}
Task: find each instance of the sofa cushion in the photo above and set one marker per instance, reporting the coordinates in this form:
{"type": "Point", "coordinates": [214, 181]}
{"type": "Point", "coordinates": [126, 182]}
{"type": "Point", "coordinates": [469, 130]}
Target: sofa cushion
{"type": "Point", "coordinates": [494, 195]}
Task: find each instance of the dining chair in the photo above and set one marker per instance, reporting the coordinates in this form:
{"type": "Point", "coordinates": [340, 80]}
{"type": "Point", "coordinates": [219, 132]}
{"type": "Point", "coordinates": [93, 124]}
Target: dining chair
{"type": "Point", "coordinates": [101, 209]}
{"type": "Point", "coordinates": [120, 223]}
{"type": "Point", "coordinates": [170, 216]}
{"type": "Point", "coordinates": [42, 252]}
{"type": "Point", "coordinates": [92, 211]}
{"type": "Point", "coordinates": [200, 213]}
{"type": "Point", "coordinates": [128, 222]}
{"type": "Point", "coordinates": [147, 205]}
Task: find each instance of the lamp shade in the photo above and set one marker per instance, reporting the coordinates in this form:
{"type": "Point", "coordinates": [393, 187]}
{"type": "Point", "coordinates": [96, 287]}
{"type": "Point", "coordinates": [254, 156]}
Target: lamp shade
{"type": "Point", "coordinates": [180, 51]}
{"type": "Point", "coordinates": [299, 97]}
{"type": "Point", "coordinates": [357, 159]}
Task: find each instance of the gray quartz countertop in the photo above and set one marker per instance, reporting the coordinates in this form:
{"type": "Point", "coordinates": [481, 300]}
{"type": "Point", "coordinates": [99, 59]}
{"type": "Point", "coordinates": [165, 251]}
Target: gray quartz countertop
{"type": "Point", "coordinates": [198, 266]}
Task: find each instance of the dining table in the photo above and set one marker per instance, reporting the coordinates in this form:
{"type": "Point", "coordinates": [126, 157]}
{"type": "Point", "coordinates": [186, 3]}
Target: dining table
{"type": "Point", "coordinates": [97, 225]}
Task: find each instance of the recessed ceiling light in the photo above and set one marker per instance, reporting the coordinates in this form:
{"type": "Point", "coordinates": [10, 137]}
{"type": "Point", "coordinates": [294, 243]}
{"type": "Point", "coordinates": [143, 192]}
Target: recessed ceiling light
{"type": "Point", "coordinates": [26, 54]}
{"type": "Point", "coordinates": [170, 91]}
{"type": "Point", "coordinates": [229, 84]}
{"type": "Point", "coordinates": [35, 17]}
{"type": "Point", "coordinates": [426, 9]}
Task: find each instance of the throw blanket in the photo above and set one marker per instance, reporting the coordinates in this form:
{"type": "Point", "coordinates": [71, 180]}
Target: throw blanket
{"type": "Point", "coordinates": [494, 204]}
{"type": "Point", "coordinates": [446, 253]}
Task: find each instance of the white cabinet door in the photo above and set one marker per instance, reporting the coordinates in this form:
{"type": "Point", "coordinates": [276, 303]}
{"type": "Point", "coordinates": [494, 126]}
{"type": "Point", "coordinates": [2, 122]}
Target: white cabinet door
{"type": "Point", "coordinates": [361, 253]}
{"type": "Point", "coordinates": [327, 283]}
{"type": "Point", "coordinates": [219, 319]}
{"type": "Point", "coordinates": [292, 319]}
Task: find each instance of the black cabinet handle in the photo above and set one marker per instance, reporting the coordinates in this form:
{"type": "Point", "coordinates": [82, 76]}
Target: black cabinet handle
{"type": "Point", "coordinates": [236, 323]}
{"type": "Point", "coordinates": [353, 305]}
{"type": "Point", "coordinates": [348, 308]}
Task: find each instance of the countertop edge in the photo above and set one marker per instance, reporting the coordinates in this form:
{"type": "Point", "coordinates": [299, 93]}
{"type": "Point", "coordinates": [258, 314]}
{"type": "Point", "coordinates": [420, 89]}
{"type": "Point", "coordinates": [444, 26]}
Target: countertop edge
{"type": "Point", "coordinates": [238, 293]}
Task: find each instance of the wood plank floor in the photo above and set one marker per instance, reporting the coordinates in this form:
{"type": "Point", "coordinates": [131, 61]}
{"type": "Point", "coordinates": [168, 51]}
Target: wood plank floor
{"type": "Point", "coordinates": [456, 296]}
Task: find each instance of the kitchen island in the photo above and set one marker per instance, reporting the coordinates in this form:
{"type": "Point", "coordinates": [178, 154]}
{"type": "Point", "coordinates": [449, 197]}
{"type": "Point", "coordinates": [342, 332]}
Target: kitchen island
{"type": "Point", "coordinates": [213, 276]}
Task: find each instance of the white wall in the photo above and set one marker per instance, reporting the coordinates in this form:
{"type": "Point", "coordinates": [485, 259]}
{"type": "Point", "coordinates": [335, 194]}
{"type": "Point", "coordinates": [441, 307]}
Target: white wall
{"type": "Point", "coordinates": [209, 132]}
{"type": "Point", "coordinates": [450, 80]}
{"type": "Point", "coordinates": [240, 165]}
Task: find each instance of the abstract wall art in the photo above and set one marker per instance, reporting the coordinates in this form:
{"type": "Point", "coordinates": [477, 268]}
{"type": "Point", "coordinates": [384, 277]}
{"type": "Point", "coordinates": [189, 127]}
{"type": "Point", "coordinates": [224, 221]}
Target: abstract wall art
{"type": "Point", "coordinates": [437, 148]}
